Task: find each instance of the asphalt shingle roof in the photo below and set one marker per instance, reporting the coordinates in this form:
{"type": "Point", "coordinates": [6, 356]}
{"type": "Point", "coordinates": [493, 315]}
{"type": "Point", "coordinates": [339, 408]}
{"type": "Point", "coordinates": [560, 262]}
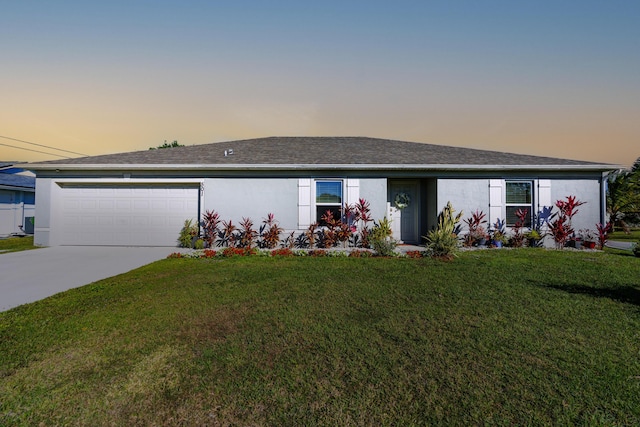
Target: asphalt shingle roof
{"type": "Point", "coordinates": [319, 151]}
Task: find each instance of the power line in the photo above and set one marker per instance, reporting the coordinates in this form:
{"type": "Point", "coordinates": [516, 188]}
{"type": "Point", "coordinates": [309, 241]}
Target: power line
{"type": "Point", "coordinates": [40, 145]}
{"type": "Point", "coordinates": [35, 151]}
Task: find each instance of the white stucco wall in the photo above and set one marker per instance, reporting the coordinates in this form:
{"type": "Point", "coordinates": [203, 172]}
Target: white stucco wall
{"type": "Point", "coordinates": [375, 192]}
{"type": "Point", "coordinates": [43, 212]}
{"type": "Point", "coordinates": [465, 195]}
{"type": "Point", "coordinates": [254, 198]}
{"type": "Point", "coordinates": [235, 198]}
{"type": "Point", "coordinates": [586, 191]}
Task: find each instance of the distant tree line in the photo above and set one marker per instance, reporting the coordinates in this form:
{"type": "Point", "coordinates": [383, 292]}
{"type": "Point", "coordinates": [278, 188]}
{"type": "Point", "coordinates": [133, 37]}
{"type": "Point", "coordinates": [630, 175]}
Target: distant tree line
{"type": "Point", "coordinates": [167, 145]}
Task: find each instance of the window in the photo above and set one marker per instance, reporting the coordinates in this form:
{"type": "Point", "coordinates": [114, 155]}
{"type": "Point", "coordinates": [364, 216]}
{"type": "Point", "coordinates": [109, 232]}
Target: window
{"type": "Point", "coordinates": [328, 198]}
{"type": "Point", "coordinates": [519, 196]}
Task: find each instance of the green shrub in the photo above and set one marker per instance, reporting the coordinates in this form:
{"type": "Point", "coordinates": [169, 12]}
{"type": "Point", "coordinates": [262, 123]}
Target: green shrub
{"type": "Point", "coordinates": [636, 248]}
{"type": "Point", "coordinates": [199, 244]}
{"type": "Point", "coordinates": [381, 240]}
{"type": "Point", "coordinates": [188, 232]}
{"type": "Point", "coordinates": [443, 241]}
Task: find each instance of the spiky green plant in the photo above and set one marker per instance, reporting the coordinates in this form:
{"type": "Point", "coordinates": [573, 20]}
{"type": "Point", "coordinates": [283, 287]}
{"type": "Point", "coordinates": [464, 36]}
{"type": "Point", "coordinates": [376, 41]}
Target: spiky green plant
{"type": "Point", "coordinates": [188, 232]}
{"type": "Point", "coordinates": [381, 238]}
{"type": "Point", "coordinates": [443, 241]}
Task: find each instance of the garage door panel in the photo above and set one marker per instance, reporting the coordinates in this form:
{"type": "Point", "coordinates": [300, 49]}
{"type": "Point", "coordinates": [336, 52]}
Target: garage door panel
{"type": "Point", "coordinates": [104, 221]}
{"type": "Point", "coordinates": [141, 205]}
{"type": "Point", "coordinates": [138, 215]}
{"type": "Point", "coordinates": [87, 221]}
{"type": "Point", "coordinates": [106, 205]}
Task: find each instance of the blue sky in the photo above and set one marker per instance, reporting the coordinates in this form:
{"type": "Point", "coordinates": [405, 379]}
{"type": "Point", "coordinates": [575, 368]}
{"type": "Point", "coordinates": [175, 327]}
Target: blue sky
{"type": "Point", "coordinates": [549, 78]}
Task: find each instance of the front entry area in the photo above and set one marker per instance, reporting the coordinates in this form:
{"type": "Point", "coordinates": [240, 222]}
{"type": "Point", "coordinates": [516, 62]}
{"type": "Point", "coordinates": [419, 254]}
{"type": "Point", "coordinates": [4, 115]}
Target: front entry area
{"type": "Point", "coordinates": [405, 195]}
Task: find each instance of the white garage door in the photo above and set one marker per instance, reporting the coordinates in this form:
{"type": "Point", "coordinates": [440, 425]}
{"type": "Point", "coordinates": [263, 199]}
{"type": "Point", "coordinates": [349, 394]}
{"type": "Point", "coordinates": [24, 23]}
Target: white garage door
{"type": "Point", "coordinates": [131, 215]}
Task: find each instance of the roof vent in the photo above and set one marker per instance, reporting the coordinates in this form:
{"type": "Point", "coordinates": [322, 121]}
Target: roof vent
{"type": "Point", "coordinates": [228, 152]}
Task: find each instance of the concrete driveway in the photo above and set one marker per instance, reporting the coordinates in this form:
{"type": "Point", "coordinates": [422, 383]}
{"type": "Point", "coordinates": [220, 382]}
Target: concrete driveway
{"type": "Point", "coordinates": [29, 276]}
{"type": "Point", "coordinates": [627, 246]}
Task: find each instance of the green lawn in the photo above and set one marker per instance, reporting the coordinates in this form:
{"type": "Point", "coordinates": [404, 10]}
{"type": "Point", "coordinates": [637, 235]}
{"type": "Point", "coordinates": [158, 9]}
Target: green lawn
{"type": "Point", "coordinates": [506, 337]}
{"type": "Point", "coordinates": [15, 244]}
{"type": "Point", "coordinates": [620, 235]}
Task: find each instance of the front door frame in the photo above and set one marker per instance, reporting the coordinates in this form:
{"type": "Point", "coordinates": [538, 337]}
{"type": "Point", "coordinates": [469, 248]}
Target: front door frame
{"type": "Point", "coordinates": [410, 215]}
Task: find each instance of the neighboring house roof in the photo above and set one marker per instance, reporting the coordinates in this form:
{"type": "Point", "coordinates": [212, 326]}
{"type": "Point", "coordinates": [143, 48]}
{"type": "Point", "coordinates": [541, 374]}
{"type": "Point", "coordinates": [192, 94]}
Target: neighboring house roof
{"type": "Point", "coordinates": [17, 182]}
{"type": "Point", "coordinates": [317, 153]}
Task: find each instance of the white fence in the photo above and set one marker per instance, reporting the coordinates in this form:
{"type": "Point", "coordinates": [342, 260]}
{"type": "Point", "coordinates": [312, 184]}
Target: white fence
{"type": "Point", "coordinates": [16, 218]}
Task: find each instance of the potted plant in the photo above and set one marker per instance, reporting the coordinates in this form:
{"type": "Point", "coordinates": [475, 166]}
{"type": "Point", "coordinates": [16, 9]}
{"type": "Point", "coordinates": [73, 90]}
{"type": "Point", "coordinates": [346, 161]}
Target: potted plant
{"type": "Point", "coordinates": [499, 239]}
{"type": "Point", "coordinates": [533, 237]}
{"type": "Point", "coordinates": [589, 237]}
{"type": "Point", "coordinates": [576, 240]}
{"type": "Point", "coordinates": [498, 233]}
{"type": "Point", "coordinates": [477, 235]}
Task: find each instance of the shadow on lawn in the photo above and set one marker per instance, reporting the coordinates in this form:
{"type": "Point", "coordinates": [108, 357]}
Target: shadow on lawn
{"type": "Point", "coordinates": [624, 294]}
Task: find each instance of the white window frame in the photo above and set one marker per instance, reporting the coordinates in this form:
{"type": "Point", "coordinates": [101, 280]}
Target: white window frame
{"type": "Point", "coordinates": [315, 205]}
{"type": "Point", "coordinates": [307, 197]}
{"type": "Point", "coordinates": [529, 206]}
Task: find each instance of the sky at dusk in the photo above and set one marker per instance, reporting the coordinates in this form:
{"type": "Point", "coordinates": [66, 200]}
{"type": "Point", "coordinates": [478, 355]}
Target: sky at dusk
{"type": "Point", "coordinates": [551, 78]}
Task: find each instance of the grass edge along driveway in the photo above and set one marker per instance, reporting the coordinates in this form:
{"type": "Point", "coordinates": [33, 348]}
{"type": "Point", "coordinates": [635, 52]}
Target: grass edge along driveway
{"type": "Point", "coordinates": [16, 244]}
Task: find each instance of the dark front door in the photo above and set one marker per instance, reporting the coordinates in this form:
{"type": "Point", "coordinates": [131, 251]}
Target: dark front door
{"type": "Point", "coordinates": [406, 194]}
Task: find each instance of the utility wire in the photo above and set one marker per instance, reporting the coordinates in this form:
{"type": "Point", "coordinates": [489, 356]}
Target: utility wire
{"type": "Point", "coordinates": [40, 145]}
{"type": "Point", "coordinates": [35, 151]}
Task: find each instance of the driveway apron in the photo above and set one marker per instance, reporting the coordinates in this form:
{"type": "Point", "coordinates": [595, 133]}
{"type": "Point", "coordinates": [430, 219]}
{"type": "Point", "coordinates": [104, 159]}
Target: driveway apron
{"type": "Point", "coordinates": [29, 276]}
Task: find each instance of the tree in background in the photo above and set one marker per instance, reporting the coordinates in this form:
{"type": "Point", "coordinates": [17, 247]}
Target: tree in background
{"type": "Point", "coordinates": [623, 197]}
{"type": "Point", "coordinates": [167, 145]}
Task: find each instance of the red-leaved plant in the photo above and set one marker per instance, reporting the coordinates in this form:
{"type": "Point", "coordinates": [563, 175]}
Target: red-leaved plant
{"type": "Point", "coordinates": [209, 253]}
{"type": "Point", "coordinates": [286, 252]}
{"type": "Point", "coordinates": [603, 233]}
{"type": "Point", "coordinates": [228, 234]}
{"type": "Point", "coordinates": [210, 227]}
{"type": "Point", "coordinates": [560, 225]}
{"type": "Point", "coordinates": [361, 219]}
{"type": "Point", "coordinates": [517, 239]}
{"type": "Point", "coordinates": [477, 231]}
{"type": "Point", "coordinates": [270, 232]}
{"type": "Point", "coordinates": [310, 233]}
{"type": "Point", "coordinates": [247, 233]}
{"type": "Point", "coordinates": [415, 254]}
{"type": "Point", "coordinates": [328, 237]}
{"type": "Point", "coordinates": [230, 252]}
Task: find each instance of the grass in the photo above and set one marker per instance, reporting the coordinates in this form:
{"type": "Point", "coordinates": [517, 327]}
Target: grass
{"type": "Point", "coordinates": [16, 244]}
{"type": "Point", "coordinates": [495, 337]}
{"type": "Point", "coordinates": [621, 235]}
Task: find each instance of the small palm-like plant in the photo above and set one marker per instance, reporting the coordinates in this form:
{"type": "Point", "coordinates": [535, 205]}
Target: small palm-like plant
{"type": "Point", "coordinates": [188, 232]}
{"type": "Point", "coordinates": [560, 224]}
{"type": "Point", "coordinates": [381, 239]}
{"type": "Point", "coordinates": [443, 241]}
{"type": "Point", "coordinates": [310, 234]}
{"type": "Point", "coordinates": [210, 227]}
{"type": "Point", "coordinates": [270, 232]}
{"type": "Point", "coordinates": [248, 234]}
{"type": "Point", "coordinates": [603, 233]}
{"type": "Point", "coordinates": [517, 240]}
{"type": "Point", "coordinates": [227, 235]}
